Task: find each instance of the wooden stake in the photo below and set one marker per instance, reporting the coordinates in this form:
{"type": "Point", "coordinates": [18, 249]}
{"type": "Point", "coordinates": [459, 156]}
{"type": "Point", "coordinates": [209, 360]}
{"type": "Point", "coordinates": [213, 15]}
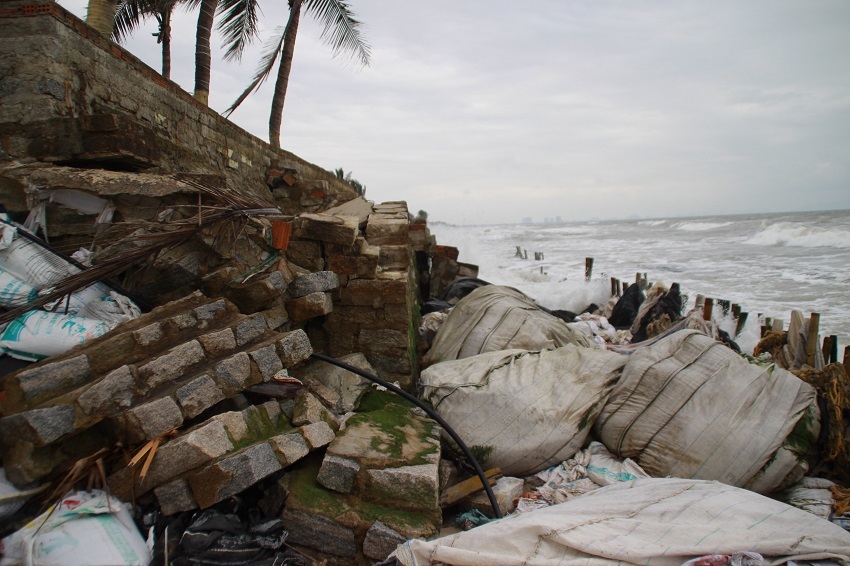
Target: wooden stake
{"type": "Point", "coordinates": [588, 268]}
{"type": "Point", "coordinates": [700, 302]}
{"type": "Point", "coordinates": [724, 306]}
{"type": "Point", "coordinates": [830, 349]}
{"type": "Point", "coordinates": [812, 339]}
{"type": "Point", "coordinates": [742, 321]}
{"type": "Point", "coordinates": [707, 307]}
{"type": "Point", "coordinates": [777, 325]}
{"type": "Point", "coordinates": [847, 360]}
{"type": "Point", "coordinates": [465, 488]}
{"type": "Point", "coordinates": [736, 310]}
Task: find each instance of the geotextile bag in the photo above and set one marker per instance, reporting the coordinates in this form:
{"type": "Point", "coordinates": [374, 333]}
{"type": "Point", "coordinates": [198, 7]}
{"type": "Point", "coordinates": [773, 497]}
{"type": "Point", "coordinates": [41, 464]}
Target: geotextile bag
{"type": "Point", "coordinates": [688, 406]}
{"type": "Point", "coordinates": [496, 318]}
{"type": "Point", "coordinates": [525, 411]}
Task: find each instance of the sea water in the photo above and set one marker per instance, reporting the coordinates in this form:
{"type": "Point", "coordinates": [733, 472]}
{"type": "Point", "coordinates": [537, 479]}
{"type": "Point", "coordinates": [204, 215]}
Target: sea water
{"type": "Point", "coordinates": [766, 263]}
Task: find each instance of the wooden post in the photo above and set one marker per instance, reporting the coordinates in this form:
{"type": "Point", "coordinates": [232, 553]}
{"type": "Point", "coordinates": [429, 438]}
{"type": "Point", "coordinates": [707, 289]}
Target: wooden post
{"type": "Point", "coordinates": [613, 287]}
{"type": "Point", "coordinates": [619, 288]}
{"type": "Point", "coordinates": [830, 349]}
{"type": "Point", "coordinates": [699, 302]}
{"type": "Point", "coordinates": [736, 310]}
{"type": "Point", "coordinates": [724, 306]}
{"type": "Point", "coordinates": [777, 325]}
{"type": "Point", "coordinates": [588, 268]}
{"type": "Point", "coordinates": [847, 360]}
{"type": "Point", "coordinates": [707, 307]}
{"type": "Point", "coordinates": [519, 252]}
{"type": "Point", "coordinates": [742, 321]}
{"type": "Point", "coordinates": [812, 339]}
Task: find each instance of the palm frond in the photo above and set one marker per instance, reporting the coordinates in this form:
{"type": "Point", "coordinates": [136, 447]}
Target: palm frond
{"type": "Point", "coordinates": [137, 247]}
{"type": "Point", "coordinates": [341, 30]}
{"type": "Point", "coordinates": [264, 69]}
{"type": "Point", "coordinates": [128, 17]}
{"type": "Point", "coordinates": [238, 25]}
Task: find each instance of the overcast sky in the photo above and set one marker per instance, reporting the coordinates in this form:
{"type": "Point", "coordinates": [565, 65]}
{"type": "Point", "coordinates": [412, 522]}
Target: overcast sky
{"type": "Point", "coordinates": [494, 111]}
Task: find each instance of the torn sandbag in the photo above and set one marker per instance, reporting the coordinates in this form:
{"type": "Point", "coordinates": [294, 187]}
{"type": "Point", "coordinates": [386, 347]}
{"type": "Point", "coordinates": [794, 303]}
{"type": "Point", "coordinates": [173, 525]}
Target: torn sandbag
{"type": "Point", "coordinates": [494, 318]}
{"type": "Point", "coordinates": [525, 411]}
{"type": "Point", "coordinates": [86, 527]}
{"type": "Point", "coordinates": [688, 406]}
{"type": "Point", "coordinates": [659, 521]}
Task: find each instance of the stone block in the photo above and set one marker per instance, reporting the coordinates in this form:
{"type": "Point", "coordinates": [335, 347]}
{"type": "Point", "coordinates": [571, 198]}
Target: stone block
{"type": "Point", "coordinates": [319, 533]}
{"type": "Point", "coordinates": [198, 395]}
{"type": "Point", "coordinates": [276, 316]}
{"type": "Point", "coordinates": [306, 253]}
{"type": "Point", "coordinates": [219, 343]}
{"type": "Point", "coordinates": [152, 419]}
{"type": "Point", "coordinates": [318, 282]}
{"type": "Point", "coordinates": [382, 339]}
{"type": "Point", "coordinates": [172, 365]}
{"type": "Point", "coordinates": [363, 266]}
{"type": "Point", "coordinates": [310, 410]}
{"type": "Point", "coordinates": [348, 385]}
{"type": "Point", "coordinates": [38, 427]}
{"type": "Point", "coordinates": [48, 377]}
{"type": "Point", "coordinates": [318, 434]}
{"type": "Point", "coordinates": [175, 497]}
{"type": "Point", "coordinates": [235, 425]}
{"type": "Point", "coordinates": [394, 258]}
{"type": "Point", "coordinates": [294, 348]}
{"type": "Point", "coordinates": [325, 394]}
{"type": "Point", "coordinates": [324, 228]}
{"type": "Point", "coordinates": [148, 335]}
{"type": "Point", "coordinates": [109, 396]}
{"type": "Point", "coordinates": [234, 372]}
{"type": "Point", "coordinates": [374, 292]}
{"type": "Point", "coordinates": [267, 360]}
{"type": "Point", "coordinates": [257, 295]}
{"type": "Point", "coordinates": [289, 448]}
{"type": "Point", "coordinates": [381, 541]}
{"type": "Point", "coordinates": [250, 328]}
{"type": "Point", "coordinates": [411, 487]}
{"type": "Point", "coordinates": [211, 311]}
{"type": "Point", "coordinates": [309, 306]}
{"type": "Point", "coordinates": [233, 474]}
{"type": "Point", "coordinates": [189, 451]}
{"type": "Point", "coordinates": [381, 231]}
{"type": "Point", "coordinates": [338, 474]}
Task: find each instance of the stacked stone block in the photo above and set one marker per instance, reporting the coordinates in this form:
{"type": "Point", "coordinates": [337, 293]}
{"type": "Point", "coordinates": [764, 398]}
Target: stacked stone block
{"type": "Point", "coordinates": [138, 382]}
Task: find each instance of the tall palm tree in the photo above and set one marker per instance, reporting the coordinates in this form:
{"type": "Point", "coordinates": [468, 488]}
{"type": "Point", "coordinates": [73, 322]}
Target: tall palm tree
{"type": "Point", "coordinates": [131, 13]}
{"type": "Point", "coordinates": [101, 16]}
{"type": "Point", "coordinates": [203, 53]}
{"type": "Point", "coordinates": [341, 31]}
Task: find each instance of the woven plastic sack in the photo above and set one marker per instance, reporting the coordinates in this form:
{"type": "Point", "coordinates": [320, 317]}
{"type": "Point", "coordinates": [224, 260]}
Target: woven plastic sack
{"type": "Point", "coordinates": [658, 521]}
{"type": "Point", "coordinates": [496, 318]}
{"type": "Point", "coordinates": [687, 406]}
{"type": "Point", "coordinates": [525, 411]}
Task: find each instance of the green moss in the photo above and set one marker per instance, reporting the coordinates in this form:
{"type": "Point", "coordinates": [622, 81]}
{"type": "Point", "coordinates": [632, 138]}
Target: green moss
{"type": "Point", "coordinates": [802, 438]}
{"type": "Point", "coordinates": [373, 400]}
{"type": "Point", "coordinates": [310, 494]}
{"type": "Point", "coordinates": [481, 453]}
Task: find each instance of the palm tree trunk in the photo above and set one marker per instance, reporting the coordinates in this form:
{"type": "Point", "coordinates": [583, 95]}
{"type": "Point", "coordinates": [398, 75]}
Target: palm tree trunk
{"type": "Point", "coordinates": [287, 54]}
{"type": "Point", "coordinates": [203, 53]}
{"type": "Point", "coordinates": [101, 16]}
{"type": "Point", "coordinates": [165, 36]}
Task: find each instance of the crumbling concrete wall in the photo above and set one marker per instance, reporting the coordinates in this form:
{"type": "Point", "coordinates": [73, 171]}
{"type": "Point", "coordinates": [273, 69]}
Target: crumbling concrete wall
{"type": "Point", "coordinates": [69, 96]}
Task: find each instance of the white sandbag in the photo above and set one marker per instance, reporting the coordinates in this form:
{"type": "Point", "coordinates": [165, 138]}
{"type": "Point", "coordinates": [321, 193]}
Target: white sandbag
{"type": "Point", "coordinates": [34, 264]}
{"type": "Point", "coordinates": [526, 410]}
{"type": "Point", "coordinates": [36, 335]}
{"type": "Point", "coordinates": [86, 528]}
{"type": "Point", "coordinates": [664, 521]}
{"type": "Point", "coordinates": [99, 302]}
{"type": "Point", "coordinates": [688, 406]}
{"type": "Point", "coordinates": [14, 292]}
{"type": "Point", "coordinates": [494, 318]}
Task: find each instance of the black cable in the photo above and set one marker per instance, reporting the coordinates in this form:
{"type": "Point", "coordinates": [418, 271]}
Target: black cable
{"type": "Point", "coordinates": [431, 413]}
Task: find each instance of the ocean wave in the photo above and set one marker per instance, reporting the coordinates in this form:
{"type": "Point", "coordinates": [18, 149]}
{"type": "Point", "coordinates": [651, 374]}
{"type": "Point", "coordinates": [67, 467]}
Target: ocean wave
{"type": "Point", "coordinates": [652, 222]}
{"type": "Point", "coordinates": [790, 234]}
{"type": "Point", "coordinates": [700, 226]}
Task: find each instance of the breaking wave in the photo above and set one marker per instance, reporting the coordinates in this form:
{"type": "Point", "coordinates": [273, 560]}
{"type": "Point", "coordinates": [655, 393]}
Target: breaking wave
{"type": "Point", "coordinates": [789, 234]}
{"type": "Point", "coordinates": [700, 226]}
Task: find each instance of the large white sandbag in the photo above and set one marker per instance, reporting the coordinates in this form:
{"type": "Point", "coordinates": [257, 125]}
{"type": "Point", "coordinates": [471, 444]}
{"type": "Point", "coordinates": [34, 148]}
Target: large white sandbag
{"type": "Point", "coordinates": [688, 406]}
{"type": "Point", "coordinates": [36, 335]}
{"type": "Point", "coordinates": [658, 521]}
{"type": "Point", "coordinates": [34, 264]}
{"type": "Point", "coordinates": [496, 318]}
{"type": "Point", "coordinates": [526, 411]}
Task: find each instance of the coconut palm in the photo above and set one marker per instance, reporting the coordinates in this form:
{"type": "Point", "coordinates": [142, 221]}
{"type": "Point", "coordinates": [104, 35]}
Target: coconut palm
{"type": "Point", "coordinates": [341, 31]}
{"type": "Point", "coordinates": [203, 52]}
{"type": "Point", "coordinates": [101, 16]}
{"type": "Point", "coordinates": [131, 13]}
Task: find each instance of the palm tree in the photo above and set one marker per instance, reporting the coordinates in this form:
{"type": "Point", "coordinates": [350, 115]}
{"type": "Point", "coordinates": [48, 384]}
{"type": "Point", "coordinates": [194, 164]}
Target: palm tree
{"type": "Point", "coordinates": [101, 16]}
{"type": "Point", "coordinates": [203, 53]}
{"type": "Point", "coordinates": [341, 31]}
{"type": "Point", "coordinates": [131, 13]}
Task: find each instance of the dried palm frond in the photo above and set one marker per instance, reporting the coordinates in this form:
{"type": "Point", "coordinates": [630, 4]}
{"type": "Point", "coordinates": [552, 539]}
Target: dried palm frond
{"type": "Point", "coordinates": [148, 451]}
{"type": "Point", "coordinates": [148, 243]}
{"type": "Point", "coordinates": [90, 468]}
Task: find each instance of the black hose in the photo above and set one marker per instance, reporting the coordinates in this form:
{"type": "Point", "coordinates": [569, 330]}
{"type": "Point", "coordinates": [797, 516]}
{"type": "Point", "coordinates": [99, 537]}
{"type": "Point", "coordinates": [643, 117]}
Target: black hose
{"type": "Point", "coordinates": [431, 413]}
